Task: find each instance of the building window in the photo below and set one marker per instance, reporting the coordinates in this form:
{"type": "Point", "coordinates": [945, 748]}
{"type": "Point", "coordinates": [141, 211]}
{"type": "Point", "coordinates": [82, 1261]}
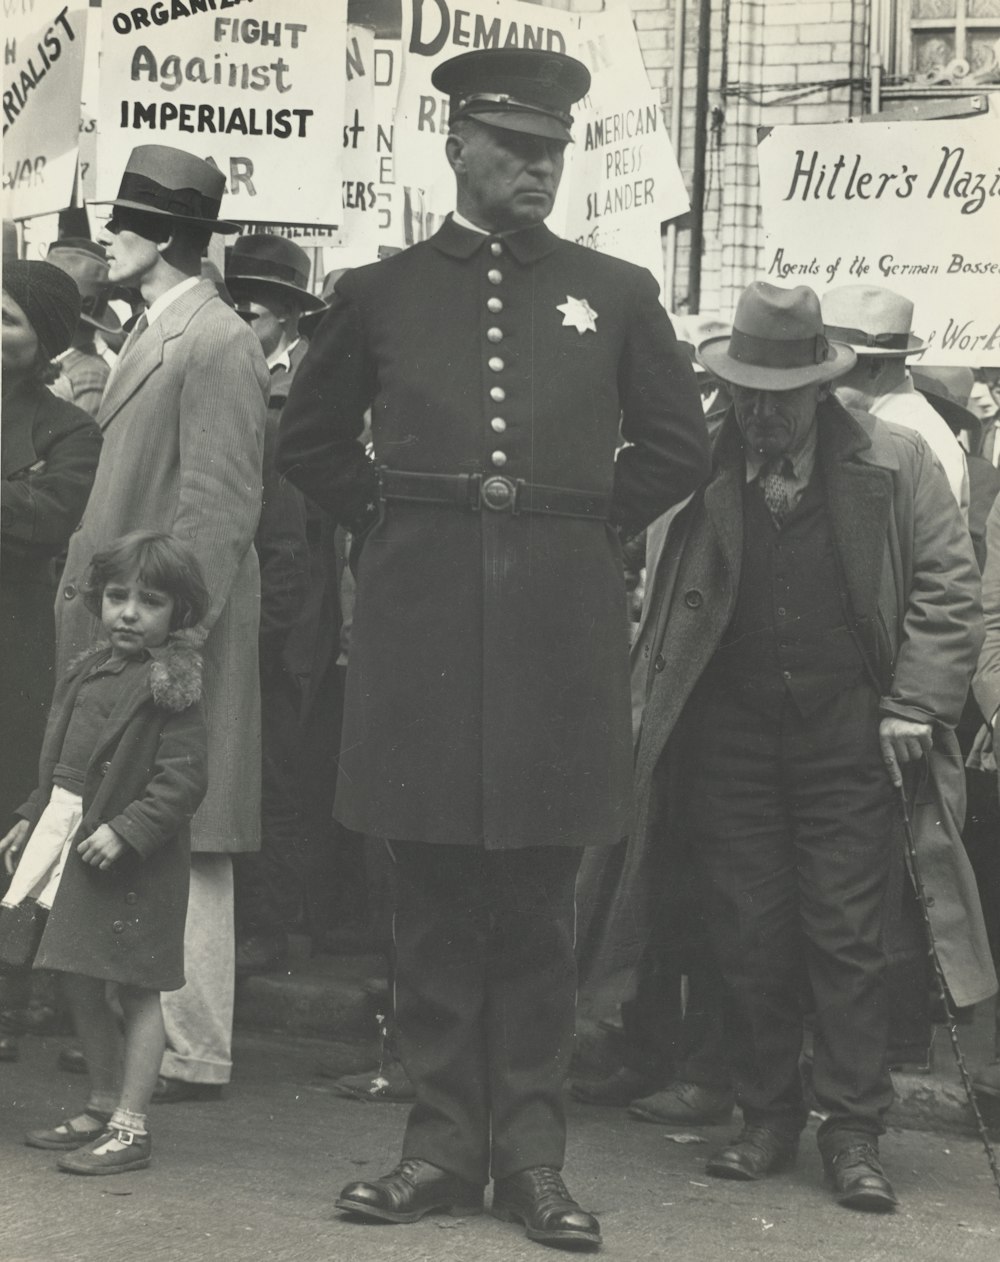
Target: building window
{"type": "Point", "coordinates": [952, 41]}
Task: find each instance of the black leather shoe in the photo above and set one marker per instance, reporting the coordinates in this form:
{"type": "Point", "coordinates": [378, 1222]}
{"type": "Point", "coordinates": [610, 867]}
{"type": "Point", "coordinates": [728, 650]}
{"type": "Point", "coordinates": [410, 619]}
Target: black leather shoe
{"type": "Point", "coordinates": [685, 1104]}
{"type": "Point", "coordinates": [71, 1060]}
{"type": "Point", "coordinates": [619, 1088]}
{"type": "Point", "coordinates": [538, 1199]}
{"type": "Point", "coordinates": [413, 1189]}
{"type": "Point", "coordinates": [756, 1151]}
{"type": "Point", "coordinates": [858, 1178]}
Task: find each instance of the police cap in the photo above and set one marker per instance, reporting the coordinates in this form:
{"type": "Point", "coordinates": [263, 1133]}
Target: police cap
{"type": "Point", "coordinates": [518, 89]}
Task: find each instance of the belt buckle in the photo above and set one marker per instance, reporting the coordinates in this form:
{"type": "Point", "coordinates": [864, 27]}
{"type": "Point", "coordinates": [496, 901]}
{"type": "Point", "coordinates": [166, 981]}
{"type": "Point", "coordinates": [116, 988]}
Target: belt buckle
{"type": "Point", "coordinates": [498, 494]}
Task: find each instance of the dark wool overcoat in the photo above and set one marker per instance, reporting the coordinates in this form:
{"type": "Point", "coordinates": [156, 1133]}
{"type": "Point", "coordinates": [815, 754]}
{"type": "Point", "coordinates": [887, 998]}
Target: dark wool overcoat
{"type": "Point", "coordinates": [49, 451]}
{"type": "Point", "coordinates": [487, 687]}
{"type": "Point", "coordinates": [145, 778]}
{"type": "Point", "coordinates": [912, 588]}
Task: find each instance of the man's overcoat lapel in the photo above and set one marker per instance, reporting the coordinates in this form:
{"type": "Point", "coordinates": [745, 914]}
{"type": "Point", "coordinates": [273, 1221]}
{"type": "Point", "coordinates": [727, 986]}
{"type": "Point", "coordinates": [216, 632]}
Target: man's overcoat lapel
{"type": "Point", "coordinates": [141, 359]}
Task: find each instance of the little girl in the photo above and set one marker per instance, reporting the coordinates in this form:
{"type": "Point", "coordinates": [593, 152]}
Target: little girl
{"type": "Point", "coordinates": [105, 836]}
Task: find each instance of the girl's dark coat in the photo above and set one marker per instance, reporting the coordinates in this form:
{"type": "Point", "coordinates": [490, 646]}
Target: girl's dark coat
{"type": "Point", "coordinates": [145, 777]}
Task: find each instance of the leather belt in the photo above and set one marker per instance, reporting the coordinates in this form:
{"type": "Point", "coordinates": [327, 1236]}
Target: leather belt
{"type": "Point", "coordinates": [476, 491]}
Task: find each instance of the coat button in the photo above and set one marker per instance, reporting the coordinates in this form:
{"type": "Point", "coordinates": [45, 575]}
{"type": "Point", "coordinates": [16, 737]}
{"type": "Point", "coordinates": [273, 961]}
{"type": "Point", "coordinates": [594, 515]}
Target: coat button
{"type": "Point", "coordinates": [693, 598]}
{"type": "Point", "coordinates": [118, 926]}
{"type": "Point", "coordinates": [494, 305]}
{"type": "Point", "coordinates": [131, 898]}
{"type": "Point", "coordinates": [496, 249]}
{"type": "Point", "coordinates": [498, 394]}
{"type": "Point", "coordinates": [659, 663]}
{"type": "Point", "coordinates": [499, 458]}
{"type": "Point", "coordinates": [494, 334]}
{"type": "Point", "coordinates": [105, 768]}
{"type": "Point", "coordinates": [496, 364]}
{"type": "Point", "coordinates": [494, 276]}
{"type": "Point", "coordinates": [498, 425]}
{"type": "Point", "coordinates": [69, 591]}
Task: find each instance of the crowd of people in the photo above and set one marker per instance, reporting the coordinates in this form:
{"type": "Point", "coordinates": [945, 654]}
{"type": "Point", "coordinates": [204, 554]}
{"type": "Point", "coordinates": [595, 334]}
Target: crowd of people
{"type": "Point", "coordinates": [361, 566]}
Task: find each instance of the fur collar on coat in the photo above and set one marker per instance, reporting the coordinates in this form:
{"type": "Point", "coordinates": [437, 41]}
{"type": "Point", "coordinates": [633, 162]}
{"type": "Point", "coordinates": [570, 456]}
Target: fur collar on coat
{"type": "Point", "coordinates": [175, 669]}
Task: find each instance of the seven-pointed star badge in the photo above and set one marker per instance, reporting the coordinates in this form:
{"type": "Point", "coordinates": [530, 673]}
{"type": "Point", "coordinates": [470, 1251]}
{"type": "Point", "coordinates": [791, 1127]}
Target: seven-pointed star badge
{"type": "Point", "coordinates": [578, 314]}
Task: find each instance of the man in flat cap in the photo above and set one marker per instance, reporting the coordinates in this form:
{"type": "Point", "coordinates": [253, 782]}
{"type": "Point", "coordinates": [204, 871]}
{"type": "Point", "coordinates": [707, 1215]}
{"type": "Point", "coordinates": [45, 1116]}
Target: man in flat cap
{"type": "Point", "coordinates": [486, 730]}
{"type": "Point", "coordinates": [183, 421]}
{"type": "Point", "coordinates": [811, 622]}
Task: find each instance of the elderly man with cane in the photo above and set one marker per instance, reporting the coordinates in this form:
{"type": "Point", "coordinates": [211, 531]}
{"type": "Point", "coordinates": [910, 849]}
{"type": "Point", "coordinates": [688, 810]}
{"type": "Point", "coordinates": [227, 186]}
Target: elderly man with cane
{"type": "Point", "coordinates": [811, 625]}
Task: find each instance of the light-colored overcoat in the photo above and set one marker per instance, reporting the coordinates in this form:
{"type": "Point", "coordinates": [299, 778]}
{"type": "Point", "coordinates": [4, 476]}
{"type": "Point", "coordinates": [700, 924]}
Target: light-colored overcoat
{"type": "Point", "coordinates": [913, 591]}
{"type": "Point", "coordinates": [183, 422]}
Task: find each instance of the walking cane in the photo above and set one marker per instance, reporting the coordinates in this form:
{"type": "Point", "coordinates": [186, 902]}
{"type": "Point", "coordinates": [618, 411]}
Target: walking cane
{"type": "Point", "coordinates": [911, 851]}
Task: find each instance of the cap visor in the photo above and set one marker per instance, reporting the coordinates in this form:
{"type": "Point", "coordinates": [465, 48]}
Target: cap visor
{"type": "Point", "coordinates": [526, 124]}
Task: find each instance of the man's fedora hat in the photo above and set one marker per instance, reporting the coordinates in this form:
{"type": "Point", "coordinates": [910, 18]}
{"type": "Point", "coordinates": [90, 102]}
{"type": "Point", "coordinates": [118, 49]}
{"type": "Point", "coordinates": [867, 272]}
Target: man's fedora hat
{"type": "Point", "coordinates": [777, 342]}
{"type": "Point", "coordinates": [518, 89]}
{"type": "Point", "coordinates": [873, 320]}
{"type": "Point", "coordinates": [160, 180]}
{"type": "Point", "coordinates": [947, 390]}
{"type": "Point", "coordinates": [265, 261]}
{"type": "Point", "coordinates": [87, 263]}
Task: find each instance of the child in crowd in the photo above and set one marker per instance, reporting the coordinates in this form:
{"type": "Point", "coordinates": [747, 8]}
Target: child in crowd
{"type": "Point", "coordinates": [104, 838]}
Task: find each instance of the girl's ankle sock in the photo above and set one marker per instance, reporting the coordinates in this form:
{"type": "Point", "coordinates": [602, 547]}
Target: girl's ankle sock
{"type": "Point", "coordinates": [127, 1121]}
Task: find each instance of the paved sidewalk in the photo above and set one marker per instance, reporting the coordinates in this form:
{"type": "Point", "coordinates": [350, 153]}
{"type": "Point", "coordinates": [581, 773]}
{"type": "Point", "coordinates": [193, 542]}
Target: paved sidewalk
{"type": "Point", "coordinates": [338, 998]}
{"type": "Point", "coordinates": [253, 1177]}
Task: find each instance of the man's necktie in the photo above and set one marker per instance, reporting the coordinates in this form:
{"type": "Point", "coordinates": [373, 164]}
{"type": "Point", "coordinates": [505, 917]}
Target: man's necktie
{"type": "Point", "coordinates": [140, 327]}
{"type": "Point", "coordinates": [774, 480]}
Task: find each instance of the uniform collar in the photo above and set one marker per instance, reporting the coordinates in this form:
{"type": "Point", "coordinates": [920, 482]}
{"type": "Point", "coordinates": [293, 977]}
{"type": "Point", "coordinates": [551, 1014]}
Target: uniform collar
{"type": "Point", "coordinates": [527, 245]}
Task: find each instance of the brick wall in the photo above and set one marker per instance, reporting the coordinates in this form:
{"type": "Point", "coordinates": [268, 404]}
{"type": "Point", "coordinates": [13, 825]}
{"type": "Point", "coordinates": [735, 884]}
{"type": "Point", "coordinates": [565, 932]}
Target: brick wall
{"type": "Point", "coordinates": [780, 57]}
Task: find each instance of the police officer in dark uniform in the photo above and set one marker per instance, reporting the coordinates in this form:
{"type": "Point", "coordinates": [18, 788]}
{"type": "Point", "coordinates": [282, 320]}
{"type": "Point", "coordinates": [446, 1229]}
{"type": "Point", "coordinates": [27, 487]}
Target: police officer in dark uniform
{"type": "Point", "coordinates": [487, 728]}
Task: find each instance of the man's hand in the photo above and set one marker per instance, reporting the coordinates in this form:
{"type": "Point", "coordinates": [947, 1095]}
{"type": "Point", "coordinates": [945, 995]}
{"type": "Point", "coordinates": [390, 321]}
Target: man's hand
{"type": "Point", "coordinates": [903, 741]}
{"type": "Point", "coordinates": [12, 845]}
{"type": "Point", "coordinates": [102, 847]}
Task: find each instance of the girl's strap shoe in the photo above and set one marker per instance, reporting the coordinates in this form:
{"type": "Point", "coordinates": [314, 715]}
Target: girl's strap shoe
{"type": "Point", "coordinates": [116, 1151]}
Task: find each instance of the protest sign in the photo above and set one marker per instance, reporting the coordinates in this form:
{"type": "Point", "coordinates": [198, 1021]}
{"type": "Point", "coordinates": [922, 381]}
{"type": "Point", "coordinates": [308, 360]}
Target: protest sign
{"type": "Point", "coordinates": [42, 74]}
{"type": "Point", "coordinates": [911, 206]}
{"type": "Point", "coordinates": [258, 92]}
{"type": "Point", "coordinates": [621, 174]}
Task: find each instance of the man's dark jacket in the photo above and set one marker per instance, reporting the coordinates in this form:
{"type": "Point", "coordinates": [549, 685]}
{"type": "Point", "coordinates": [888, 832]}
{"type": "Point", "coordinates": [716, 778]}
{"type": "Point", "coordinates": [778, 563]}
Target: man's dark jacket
{"type": "Point", "coordinates": [487, 693]}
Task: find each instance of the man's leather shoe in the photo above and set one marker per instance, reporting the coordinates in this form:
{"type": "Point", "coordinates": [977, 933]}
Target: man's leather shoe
{"type": "Point", "coordinates": [413, 1189]}
{"type": "Point", "coordinates": [756, 1151]}
{"type": "Point", "coordinates": [858, 1178]}
{"type": "Point", "coordinates": [538, 1199]}
{"type": "Point", "coordinates": [685, 1104]}
{"type": "Point", "coordinates": [176, 1091]}
{"type": "Point", "coordinates": [71, 1060]}
{"type": "Point", "coordinates": [618, 1089]}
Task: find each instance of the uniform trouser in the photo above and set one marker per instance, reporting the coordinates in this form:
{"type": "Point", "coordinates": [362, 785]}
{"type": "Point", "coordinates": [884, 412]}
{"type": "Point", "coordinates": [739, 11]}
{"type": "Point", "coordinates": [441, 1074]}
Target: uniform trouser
{"type": "Point", "coordinates": [199, 1016]}
{"type": "Point", "coordinates": [271, 883]}
{"type": "Point", "coordinates": [795, 818]}
{"type": "Point", "coordinates": [485, 1000]}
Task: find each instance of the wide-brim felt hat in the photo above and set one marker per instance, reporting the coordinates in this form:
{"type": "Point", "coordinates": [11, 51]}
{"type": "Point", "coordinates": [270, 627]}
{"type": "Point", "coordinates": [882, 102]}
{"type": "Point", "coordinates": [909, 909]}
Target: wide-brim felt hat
{"type": "Point", "coordinates": [265, 262]}
{"type": "Point", "coordinates": [872, 320]}
{"type": "Point", "coordinates": [161, 180]}
{"type": "Point", "coordinates": [777, 342]}
{"type": "Point", "coordinates": [86, 262]}
{"type": "Point", "coordinates": [517, 89]}
{"type": "Point", "coordinates": [947, 390]}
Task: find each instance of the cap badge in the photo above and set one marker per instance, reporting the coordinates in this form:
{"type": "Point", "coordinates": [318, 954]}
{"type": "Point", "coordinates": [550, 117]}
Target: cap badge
{"type": "Point", "coordinates": [577, 313]}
